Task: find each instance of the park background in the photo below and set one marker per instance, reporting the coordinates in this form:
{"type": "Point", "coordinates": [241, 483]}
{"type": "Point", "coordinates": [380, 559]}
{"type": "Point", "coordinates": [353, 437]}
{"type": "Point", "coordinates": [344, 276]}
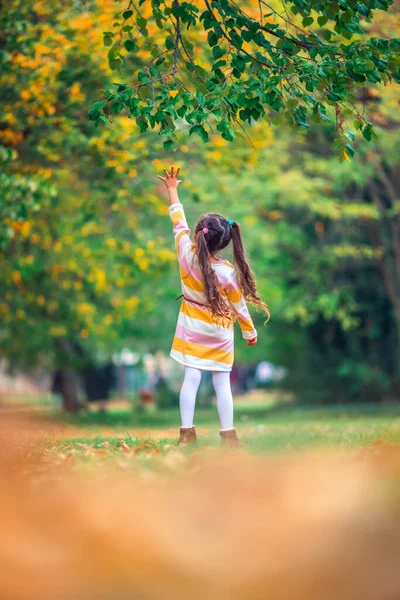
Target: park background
{"type": "Point", "coordinates": [86, 255]}
{"type": "Point", "coordinates": [96, 500]}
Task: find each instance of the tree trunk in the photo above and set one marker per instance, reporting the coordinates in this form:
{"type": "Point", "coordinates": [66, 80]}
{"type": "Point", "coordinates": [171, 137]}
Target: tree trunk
{"type": "Point", "coordinates": [68, 378]}
{"type": "Point", "coordinates": [69, 388]}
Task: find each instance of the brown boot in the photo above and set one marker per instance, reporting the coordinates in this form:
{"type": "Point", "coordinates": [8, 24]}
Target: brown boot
{"type": "Point", "coordinates": [229, 438]}
{"type": "Point", "coordinates": [187, 436]}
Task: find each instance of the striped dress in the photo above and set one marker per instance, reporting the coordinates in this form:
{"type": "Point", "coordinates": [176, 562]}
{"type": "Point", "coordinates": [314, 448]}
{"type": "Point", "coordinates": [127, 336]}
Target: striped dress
{"type": "Point", "coordinates": [199, 340]}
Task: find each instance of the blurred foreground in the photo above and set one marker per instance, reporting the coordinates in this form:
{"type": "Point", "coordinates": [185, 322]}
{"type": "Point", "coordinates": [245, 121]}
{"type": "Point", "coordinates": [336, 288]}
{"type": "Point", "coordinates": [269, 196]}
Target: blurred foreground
{"type": "Point", "coordinates": [202, 524]}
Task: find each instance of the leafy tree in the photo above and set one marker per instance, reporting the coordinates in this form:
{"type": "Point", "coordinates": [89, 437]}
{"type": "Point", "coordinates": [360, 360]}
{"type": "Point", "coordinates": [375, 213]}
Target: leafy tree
{"type": "Point", "coordinates": [86, 258]}
{"type": "Point", "coordinates": [76, 237]}
{"type": "Point", "coordinates": [322, 238]}
{"type": "Point", "coordinates": [220, 64]}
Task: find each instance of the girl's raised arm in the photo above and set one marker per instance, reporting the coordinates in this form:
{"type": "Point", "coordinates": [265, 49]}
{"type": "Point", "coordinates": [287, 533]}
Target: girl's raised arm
{"type": "Point", "coordinates": [177, 214]}
{"type": "Point", "coordinates": [171, 183]}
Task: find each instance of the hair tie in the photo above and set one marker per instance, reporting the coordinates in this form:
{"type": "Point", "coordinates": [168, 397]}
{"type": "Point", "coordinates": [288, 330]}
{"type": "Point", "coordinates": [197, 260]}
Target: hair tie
{"type": "Point", "coordinates": [205, 230]}
{"type": "Point", "coordinates": [230, 222]}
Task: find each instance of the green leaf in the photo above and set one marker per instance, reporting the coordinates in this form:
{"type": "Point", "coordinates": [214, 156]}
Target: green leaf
{"type": "Point", "coordinates": [168, 144]}
{"type": "Point", "coordinates": [142, 124]}
{"type": "Point", "coordinates": [247, 35]}
{"type": "Point", "coordinates": [115, 63]}
{"type": "Point", "coordinates": [236, 40]}
{"type": "Point", "coordinates": [219, 64]}
{"type": "Point", "coordinates": [141, 23]}
{"type": "Point", "coordinates": [367, 133]}
{"type": "Point", "coordinates": [228, 135]}
{"type": "Point", "coordinates": [127, 14]}
{"type": "Point", "coordinates": [201, 132]}
{"type": "Point", "coordinates": [98, 105]}
{"type": "Point", "coordinates": [218, 52]}
{"type": "Point", "coordinates": [223, 125]}
{"type": "Point", "coordinates": [129, 45]}
{"type": "Point", "coordinates": [212, 39]}
{"type": "Point", "coordinates": [93, 114]}
{"type": "Point", "coordinates": [105, 120]}
{"type": "Point", "coordinates": [113, 53]}
{"type": "Point", "coordinates": [374, 76]}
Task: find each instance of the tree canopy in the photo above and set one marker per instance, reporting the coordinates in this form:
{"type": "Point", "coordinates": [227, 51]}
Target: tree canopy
{"type": "Point", "coordinates": [76, 237]}
{"type": "Point", "coordinates": [220, 64]}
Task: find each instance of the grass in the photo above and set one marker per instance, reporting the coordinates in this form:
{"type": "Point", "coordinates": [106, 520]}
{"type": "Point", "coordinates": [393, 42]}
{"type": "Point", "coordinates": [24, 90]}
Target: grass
{"type": "Point", "coordinates": [244, 412]}
{"type": "Point", "coordinates": [264, 428]}
{"type": "Point", "coordinates": [264, 425]}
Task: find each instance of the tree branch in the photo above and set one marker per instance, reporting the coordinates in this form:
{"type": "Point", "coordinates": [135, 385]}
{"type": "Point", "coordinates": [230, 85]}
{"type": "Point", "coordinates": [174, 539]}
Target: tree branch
{"type": "Point", "coordinates": [226, 36]}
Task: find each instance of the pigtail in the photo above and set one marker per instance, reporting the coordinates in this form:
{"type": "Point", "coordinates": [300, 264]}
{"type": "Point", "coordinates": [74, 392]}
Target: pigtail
{"type": "Point", "coordinates": [211, 284]}
{"type": "Point", "coordinates": [245, 274]}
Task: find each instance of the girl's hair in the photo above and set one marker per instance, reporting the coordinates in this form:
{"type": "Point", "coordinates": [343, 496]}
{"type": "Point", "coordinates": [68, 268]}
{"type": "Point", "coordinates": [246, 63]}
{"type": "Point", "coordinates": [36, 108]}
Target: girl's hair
{"type": "Point", "coordinates": [220, 233]}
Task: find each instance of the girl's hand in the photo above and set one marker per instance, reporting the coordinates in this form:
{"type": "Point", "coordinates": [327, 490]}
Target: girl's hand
{"type": "Point", "coordinates": [252, 342]}
{"type": "Point", "coordinates": [170, 179]}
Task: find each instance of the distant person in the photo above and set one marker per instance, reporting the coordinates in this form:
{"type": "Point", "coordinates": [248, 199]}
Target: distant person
{"type": "Point", "coordinates": [214, 294]}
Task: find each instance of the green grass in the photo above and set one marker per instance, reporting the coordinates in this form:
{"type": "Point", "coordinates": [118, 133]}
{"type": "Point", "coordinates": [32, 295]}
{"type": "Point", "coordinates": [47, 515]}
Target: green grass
{"type": "Point", "coordinates": [263, 428]}
{"type": "Point", "coordinates": [264, 425]}
{"type": "Point", "coordinates": [245, 413]}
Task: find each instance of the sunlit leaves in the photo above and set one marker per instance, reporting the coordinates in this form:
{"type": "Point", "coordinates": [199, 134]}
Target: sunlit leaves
{"type": "Point", "coordinates": [76, 220]}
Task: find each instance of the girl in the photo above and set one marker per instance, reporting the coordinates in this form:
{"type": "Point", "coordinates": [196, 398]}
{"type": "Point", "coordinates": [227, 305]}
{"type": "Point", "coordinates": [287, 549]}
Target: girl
{"type": "Point", "coordinates": [214, 294]}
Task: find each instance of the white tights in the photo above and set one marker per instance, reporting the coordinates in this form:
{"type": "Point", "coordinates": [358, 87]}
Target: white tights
{"type": "Point", "coordinates": [222, 387]}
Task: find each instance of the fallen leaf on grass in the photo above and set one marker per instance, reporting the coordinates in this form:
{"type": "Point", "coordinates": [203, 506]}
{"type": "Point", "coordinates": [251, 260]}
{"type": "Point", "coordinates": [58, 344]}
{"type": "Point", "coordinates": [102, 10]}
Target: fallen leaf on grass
{"type": "Point", "coordinates": [147, 446]}
{"type": "Point", "coordinates": [105, 444]}
{"type": "Point", "coordinates": [125, 448]}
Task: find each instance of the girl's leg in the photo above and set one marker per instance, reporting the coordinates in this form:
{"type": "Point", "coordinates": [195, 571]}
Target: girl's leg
{"type": "Point", "coordinates": [222, 387]}
{"type": "Point", "coordinates": [187, 399]}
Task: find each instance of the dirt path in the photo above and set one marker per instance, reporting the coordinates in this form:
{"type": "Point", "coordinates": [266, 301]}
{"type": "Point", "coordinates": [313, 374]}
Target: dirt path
{"type": "Point", "coordinates": [18, 420]}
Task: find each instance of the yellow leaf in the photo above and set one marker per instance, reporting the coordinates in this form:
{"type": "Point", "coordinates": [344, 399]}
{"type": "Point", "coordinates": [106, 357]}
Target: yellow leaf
{"type": "Point", "coordinates": [35, 238]}
{"type": "Point", "coordinates": [16, 277]}
{"type": "Point", "coordinates": [346, 156]}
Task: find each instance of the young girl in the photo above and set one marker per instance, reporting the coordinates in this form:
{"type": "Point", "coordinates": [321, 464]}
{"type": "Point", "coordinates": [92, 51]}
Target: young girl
{"type": "Point", "coordinates": [214, 294]}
